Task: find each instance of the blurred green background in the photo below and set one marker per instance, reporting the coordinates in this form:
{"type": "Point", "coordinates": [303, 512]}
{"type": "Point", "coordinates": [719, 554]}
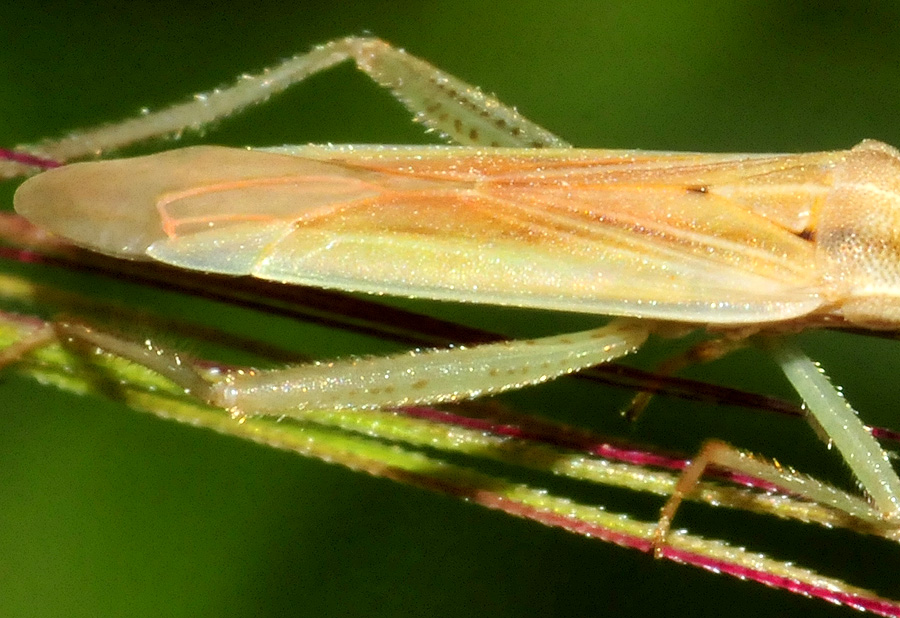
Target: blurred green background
{"type": "Point", "coordinates": [105, 512]}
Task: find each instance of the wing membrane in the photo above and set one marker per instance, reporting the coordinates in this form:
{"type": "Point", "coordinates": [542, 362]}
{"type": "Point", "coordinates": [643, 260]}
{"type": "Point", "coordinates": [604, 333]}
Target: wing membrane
{"type": "Point", "coordinates": [696, 238]}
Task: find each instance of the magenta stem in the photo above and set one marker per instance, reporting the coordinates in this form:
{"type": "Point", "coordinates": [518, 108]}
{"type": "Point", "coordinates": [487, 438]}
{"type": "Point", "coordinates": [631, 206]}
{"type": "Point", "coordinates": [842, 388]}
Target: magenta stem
{"type": "Point", "coordinates": [28, 159]}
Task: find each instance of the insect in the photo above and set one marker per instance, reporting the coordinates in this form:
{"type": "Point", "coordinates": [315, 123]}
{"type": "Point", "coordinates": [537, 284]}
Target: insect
{"type": "Point", "coordinates": [665, 243]}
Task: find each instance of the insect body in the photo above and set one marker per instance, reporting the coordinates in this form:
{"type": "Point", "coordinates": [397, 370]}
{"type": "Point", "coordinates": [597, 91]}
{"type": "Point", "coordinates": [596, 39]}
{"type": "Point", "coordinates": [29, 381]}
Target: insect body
{"type": "Point", "coordinates": [664, 241]}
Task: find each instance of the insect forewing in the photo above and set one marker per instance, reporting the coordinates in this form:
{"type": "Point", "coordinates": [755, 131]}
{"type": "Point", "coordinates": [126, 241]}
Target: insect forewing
{"type": "Point", "coordinates": [687, 237]}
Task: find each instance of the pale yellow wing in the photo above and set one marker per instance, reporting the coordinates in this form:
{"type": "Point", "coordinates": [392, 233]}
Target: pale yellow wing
{"type": "Point", "coordinates": [725, 239]}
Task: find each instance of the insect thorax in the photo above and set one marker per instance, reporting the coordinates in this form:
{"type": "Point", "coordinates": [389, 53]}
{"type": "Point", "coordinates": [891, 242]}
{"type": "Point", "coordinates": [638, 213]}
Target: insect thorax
{"type": "Point", "coordinates": [858, 236]}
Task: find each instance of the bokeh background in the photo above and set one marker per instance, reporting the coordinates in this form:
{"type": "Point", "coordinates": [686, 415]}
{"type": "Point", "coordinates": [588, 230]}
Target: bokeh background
{"type": "Point", "coordinates": [106, 512]}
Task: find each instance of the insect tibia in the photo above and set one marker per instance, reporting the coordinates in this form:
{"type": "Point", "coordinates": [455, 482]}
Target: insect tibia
{"type": "Point", "coordinates": [840, 422]}
{"type": "Point", "coordinates": [461, 112]}
{"type": "Point", "coordinates": [725, 457]}
{"type": "Point", "coordinates": [421, 377]}
{"type": "Point", "coordinates": [703, 352]}
{"type": "Point", "coordinates": [440, 101]}
{"type": "Point", "coordinates": [176, 367]}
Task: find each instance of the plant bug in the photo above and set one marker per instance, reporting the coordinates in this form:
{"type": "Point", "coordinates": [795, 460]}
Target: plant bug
{"type": "Point", "coordinates": [664, 242]}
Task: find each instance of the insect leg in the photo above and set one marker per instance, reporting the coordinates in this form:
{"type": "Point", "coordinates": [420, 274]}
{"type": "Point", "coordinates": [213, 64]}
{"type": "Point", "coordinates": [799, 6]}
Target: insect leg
{"type": "Point", "coordinates": [37, 338]}
{"type": "Point", "coordinates": [703, 352]}
{"type": "Point", "coordinates": [866, 458]}
{"type": "Point", "coordinates": [420, 377]}
{"type": "Point", "coordinates": [462, 112]}
{"type": "Point", "coordinates": [410, 378]}
{"type": "Point", "coordinates": [724, 456]}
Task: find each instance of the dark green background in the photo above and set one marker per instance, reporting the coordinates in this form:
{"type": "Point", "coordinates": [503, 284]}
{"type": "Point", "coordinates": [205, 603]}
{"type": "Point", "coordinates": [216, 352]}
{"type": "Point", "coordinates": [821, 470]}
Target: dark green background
{"type": "Point", "coordinates": [105, 512]}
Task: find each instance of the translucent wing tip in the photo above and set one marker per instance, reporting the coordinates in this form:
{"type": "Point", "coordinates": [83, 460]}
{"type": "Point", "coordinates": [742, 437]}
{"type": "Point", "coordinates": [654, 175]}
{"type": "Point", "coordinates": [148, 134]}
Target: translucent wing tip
{"type": "Point", "coordinates": [107, 206]}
